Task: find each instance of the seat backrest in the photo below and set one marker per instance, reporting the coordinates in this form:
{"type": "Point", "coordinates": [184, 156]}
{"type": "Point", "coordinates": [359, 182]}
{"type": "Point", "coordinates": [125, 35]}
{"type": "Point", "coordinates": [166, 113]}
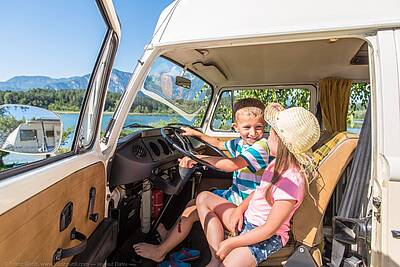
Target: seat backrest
{"type": "Point", "coordinates": [332, 158]}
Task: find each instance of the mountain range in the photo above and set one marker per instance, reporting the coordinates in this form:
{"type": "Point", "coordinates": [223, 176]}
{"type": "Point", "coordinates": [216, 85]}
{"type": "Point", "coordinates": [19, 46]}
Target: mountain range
{"type": "Point", "coordinates": [118, 81]}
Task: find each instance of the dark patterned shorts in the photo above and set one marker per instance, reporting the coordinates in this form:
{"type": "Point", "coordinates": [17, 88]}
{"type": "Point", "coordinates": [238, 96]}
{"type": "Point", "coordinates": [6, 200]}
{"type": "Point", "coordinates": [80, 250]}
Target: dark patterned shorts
{"type": "Point", "coordinates": [263, 249]}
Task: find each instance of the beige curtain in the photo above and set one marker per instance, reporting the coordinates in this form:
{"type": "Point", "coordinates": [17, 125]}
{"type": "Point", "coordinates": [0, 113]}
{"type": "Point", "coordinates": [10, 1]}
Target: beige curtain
{"type": "Point", "coordinates": [335, 94]}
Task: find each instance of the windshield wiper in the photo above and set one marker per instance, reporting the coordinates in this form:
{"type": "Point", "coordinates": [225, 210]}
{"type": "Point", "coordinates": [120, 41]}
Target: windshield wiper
{"type": "Point", "coordinates": [137, 125]}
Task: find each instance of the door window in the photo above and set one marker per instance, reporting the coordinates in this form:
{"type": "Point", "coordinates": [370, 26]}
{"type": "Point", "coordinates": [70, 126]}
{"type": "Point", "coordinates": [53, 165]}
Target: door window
{"type": "Point", "coordinates": [47, 61]}
{"type": "Point", "coordinates": [359, 98]}
{"type": "Point", "coordinates": [288, 97]}
{"type": "Point", "coordinates": [223, 117]}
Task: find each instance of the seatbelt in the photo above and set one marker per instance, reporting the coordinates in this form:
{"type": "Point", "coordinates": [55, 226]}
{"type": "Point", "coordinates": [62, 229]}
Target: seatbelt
{"type": "Point", "coordinates": [356, 190]}
{"type": "Point", "coordinates": [318, 114]}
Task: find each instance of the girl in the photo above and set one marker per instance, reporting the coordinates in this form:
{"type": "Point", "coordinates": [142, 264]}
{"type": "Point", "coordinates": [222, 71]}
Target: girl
{"type": "Point", "coordinates": [268, 210]}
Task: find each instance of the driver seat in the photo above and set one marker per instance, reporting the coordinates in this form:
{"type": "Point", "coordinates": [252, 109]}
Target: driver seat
{"type": "Point", "coordinates": [332, 159]}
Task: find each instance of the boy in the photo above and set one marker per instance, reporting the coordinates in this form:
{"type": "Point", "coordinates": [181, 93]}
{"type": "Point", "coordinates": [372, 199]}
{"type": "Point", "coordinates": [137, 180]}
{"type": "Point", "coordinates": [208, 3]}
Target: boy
{"type": "Point", "coordinates": [249, 159]}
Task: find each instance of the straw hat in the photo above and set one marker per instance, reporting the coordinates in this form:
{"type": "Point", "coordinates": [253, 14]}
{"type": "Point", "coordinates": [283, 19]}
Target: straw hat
{"type": "Point", "coordinates": [297, 127]}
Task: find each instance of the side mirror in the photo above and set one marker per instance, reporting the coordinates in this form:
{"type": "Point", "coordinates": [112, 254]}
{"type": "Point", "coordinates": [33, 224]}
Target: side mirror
{"type": "Point", "coordinates": [183, 82]}
{"type": "Point", "coordinates": [29, 130]}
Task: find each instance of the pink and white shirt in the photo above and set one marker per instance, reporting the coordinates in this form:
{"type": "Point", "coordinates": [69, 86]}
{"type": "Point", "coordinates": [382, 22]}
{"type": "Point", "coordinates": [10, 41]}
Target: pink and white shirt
{"type": "Point", "coordinates": [289, 187]}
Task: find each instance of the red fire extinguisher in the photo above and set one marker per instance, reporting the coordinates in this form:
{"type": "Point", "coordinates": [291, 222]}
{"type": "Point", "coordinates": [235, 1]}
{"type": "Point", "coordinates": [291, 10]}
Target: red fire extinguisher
{"type": "Point", "coordinates": [157, 202]}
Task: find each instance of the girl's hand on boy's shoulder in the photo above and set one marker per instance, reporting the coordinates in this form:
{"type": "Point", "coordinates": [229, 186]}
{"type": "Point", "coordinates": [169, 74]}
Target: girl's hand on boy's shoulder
{"type": "Point", "coordinates": [224, 248]}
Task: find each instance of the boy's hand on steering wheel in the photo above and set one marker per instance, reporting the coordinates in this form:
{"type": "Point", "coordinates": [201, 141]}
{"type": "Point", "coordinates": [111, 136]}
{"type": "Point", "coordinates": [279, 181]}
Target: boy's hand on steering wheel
{"type": "Point", "coordinates": [187, 162]}
{"type": "Point", "coordinates": [190, 132]}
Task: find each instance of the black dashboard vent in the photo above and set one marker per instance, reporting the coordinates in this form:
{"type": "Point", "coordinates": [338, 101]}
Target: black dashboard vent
{"type": "Point", "coordinates": [164, 146]}
{"type": "Point", "coordinates": [155, 149]}
{"type": "Point", "coordinates": [139, 151]}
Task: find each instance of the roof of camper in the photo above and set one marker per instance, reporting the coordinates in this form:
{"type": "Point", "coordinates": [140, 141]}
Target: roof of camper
{"type": "Point", "coordinates": [197, 20]}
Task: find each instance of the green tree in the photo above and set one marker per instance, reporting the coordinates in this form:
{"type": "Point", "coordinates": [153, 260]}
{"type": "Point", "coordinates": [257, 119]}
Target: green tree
{"type": "Point", "coordinates": [2, 165]}
{"type": "Point", "coordinates": [359, 97]}
{"type": "Point", "coordinates": [7, 125]}
{"type": "Point", "coordinates": [66, 133]}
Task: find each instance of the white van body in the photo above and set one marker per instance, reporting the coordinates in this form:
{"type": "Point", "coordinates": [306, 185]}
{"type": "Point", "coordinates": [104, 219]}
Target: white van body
{"type": "Point", "coordinates": [206, 26]}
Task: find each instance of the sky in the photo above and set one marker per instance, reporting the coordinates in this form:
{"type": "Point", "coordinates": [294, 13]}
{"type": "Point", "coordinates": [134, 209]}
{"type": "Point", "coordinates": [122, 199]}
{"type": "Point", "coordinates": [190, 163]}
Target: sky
{"type": "Point", "coordinates": [61, 38]}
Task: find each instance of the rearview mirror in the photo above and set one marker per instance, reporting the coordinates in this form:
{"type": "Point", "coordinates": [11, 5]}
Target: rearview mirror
{"type": "Point", "coordinates": [183, 82]}
{"type": "Point", "coordinates": [29, 130]}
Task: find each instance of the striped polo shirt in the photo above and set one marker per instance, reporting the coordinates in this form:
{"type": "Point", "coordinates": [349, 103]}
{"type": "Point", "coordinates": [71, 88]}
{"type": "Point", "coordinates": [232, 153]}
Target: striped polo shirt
{"type": "Point", "coordinates": [245, 180]}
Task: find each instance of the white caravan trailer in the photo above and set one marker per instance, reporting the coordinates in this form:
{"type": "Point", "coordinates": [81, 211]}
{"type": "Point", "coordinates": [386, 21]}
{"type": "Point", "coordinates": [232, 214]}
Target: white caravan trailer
{"type": "Point", "coordinates": [37, 136]}
{"type": "Point", "coordinates": [221, 51]}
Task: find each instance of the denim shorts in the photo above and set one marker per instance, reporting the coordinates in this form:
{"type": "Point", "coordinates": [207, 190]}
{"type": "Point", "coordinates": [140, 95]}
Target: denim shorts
{"type": "Point", "coordinates": [263, 249]}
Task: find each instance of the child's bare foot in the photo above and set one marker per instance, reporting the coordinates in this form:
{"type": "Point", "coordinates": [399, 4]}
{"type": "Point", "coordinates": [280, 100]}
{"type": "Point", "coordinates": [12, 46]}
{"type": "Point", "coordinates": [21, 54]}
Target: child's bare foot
{"type": "Point", "coordinates": [162, 231]}
{"type": "Point", "coordinates": [149, 251]}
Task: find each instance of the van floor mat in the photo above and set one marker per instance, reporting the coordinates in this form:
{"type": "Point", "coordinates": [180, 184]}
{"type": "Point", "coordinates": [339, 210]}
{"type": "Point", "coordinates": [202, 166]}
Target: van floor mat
{"type": "Point", "coordinates": [125, 255]}
{"type": "Point", "coordinates": [197, 240]}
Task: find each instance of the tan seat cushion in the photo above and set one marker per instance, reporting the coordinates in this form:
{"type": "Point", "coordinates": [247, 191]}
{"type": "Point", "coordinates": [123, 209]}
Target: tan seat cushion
{"type": "Point", "coordinates": [333, 158]}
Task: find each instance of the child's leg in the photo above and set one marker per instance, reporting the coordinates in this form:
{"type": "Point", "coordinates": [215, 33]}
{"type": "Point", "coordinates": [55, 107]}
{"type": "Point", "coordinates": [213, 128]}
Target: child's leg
{"type": "Point", "coordinates": [187, 213]}
{"type": "Point", "coordinates": [162, 231]}
{"type": "Point", "coordinates": [175, 236]}
{"type": "Point", "coordinates": [243, 253]}
{"type": "Point", "coordinates": [212, 211]}
{"type": "Point", "coordinates": [254, 254]}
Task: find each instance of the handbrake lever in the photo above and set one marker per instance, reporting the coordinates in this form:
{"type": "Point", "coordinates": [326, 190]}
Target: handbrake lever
{"type": "Point", "coordinates": [184, 176]}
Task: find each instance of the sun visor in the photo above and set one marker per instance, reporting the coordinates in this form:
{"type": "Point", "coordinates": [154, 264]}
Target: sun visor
{"type": "Point", "coordinates": [210, 70]}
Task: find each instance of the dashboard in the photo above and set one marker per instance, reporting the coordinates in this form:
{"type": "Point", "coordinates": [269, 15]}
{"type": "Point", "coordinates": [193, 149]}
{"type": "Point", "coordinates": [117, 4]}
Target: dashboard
{"type": "Point", "coordinates": [145, 154]}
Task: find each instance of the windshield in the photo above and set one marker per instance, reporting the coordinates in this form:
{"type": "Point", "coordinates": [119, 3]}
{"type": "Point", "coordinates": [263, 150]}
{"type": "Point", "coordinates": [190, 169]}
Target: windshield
{"type": "Point", "coordinates": [161, 101]}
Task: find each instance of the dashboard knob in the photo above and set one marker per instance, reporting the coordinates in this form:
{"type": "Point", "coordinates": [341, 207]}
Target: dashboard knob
{"type": "Point", "coordinates": [156, 171]}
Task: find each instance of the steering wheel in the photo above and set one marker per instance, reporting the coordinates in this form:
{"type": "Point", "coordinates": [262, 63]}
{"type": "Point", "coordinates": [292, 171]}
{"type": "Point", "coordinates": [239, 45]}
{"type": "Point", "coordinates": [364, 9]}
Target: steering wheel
{"type": "Point", "coordinates": [173, 135]}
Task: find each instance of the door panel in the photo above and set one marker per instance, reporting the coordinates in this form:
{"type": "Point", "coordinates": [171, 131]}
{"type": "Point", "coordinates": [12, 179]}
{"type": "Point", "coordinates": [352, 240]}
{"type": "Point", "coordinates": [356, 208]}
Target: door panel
{"type": "Point", "coordinates": [391, 212]}
{"type": "Point", "coordinates": [32, 196]}
{"type": "Point", "coordinates": [386, 147]}
{"type": "Point", "coordinates": [30, 233]}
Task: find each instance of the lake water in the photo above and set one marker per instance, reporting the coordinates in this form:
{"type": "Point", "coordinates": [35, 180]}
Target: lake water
{"type": "Point", "coordinates": [71, 120]}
